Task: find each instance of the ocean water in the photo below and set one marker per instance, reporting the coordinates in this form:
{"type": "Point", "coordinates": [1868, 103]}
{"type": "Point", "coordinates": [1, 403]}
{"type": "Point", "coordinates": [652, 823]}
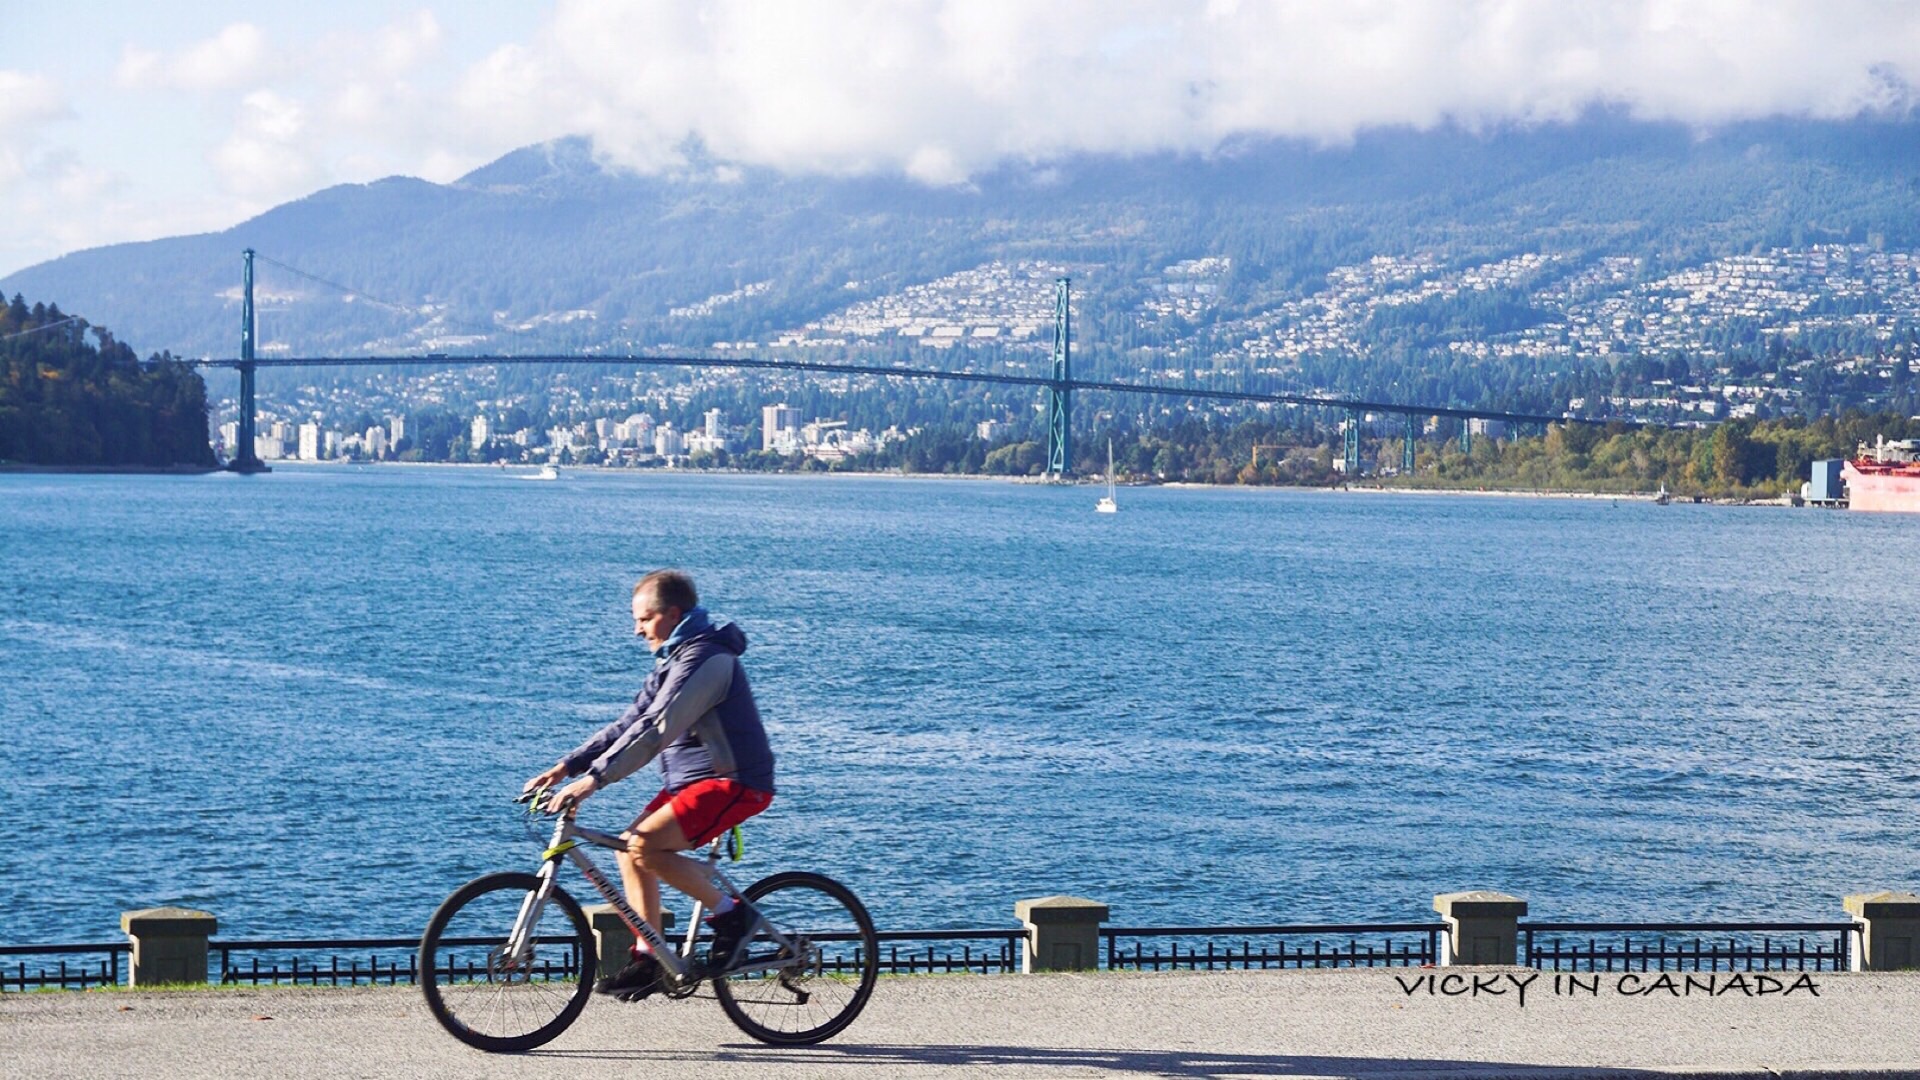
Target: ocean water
{"type": "Point", "coordinates": [303, 701]}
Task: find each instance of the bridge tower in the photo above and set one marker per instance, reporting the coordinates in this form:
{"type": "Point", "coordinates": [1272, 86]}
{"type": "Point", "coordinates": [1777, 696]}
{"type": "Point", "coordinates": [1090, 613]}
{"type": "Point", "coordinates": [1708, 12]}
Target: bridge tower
{"type": "Point", "coordinates": [244, 459]}
{"type": "Point", "coordinates": [1406, 452]}
{"type": "Point", "coordinates": [1059, 392]}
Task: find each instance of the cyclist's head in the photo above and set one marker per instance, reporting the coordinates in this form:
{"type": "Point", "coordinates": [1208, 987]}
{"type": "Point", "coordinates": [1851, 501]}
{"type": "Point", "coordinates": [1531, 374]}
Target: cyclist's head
{"type": "Point", "coordinates": [669, 588]}
{"type": "Point", "coordinates": [660, 601]}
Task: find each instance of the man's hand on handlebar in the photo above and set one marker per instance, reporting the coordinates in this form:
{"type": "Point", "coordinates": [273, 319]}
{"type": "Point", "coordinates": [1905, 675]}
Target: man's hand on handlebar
{"type": "Point", "coordinates": [546, 779]}
{"type": "Point", "coordinates": [572, 795]}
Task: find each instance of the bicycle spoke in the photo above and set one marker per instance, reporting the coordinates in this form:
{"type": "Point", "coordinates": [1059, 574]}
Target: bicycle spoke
{"type": "Point", "coordinates": [826, 968]}
{"type": "Point", "coordinates": [482, 997]}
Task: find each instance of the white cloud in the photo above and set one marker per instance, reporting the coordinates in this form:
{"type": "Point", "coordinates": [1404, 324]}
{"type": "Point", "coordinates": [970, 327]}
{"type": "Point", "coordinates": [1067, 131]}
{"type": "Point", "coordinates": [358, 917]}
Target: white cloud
{"type": "Point", "coordinates": [942, 88]}
{"type": "Point", "coordinates": [237, 57]}
{"type": "Point", "coordinates": [27, 101]}
{"type": "Point", "coordinates": [267, 154]}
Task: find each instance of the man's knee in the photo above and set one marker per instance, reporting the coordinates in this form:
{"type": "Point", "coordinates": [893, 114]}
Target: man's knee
{"type": "Point", "coordinates": [650, 849]}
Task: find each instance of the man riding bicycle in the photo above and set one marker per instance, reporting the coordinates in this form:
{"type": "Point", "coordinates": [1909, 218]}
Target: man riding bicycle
{"type": "Point", "coordinates": [696, 715]}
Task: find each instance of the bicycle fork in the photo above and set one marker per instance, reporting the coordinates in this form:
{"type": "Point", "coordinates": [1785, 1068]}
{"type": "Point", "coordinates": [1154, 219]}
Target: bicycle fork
{"type": "Point", "coordinates": [519, 946]}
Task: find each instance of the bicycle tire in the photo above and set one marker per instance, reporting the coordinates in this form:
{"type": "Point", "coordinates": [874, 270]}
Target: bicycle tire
{"type": "Point", "coordinates": [486, 1005]}
{"type": "Point", "coordinates": [839, 969]}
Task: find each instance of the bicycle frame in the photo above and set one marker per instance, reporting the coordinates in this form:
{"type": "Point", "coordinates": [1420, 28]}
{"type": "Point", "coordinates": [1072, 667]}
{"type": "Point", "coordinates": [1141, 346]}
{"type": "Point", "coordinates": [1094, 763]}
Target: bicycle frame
{"type": "Point", "coordinates": [568, 836]}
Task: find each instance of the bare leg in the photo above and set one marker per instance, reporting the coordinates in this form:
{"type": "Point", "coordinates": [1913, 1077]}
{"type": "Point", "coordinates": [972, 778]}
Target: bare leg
{"type": "Point", "coordinates": [654, 845]}
{"type": "Point", "coordinates": [643, 888]}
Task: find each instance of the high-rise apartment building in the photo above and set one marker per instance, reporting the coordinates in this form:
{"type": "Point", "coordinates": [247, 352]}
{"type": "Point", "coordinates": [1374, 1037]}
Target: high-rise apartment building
{"type": "Point", "coordinates": [779, 428]}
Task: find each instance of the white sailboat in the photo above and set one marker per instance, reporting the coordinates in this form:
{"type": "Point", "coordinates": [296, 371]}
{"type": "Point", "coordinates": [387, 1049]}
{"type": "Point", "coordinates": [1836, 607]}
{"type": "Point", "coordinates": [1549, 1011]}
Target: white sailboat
{"type": "Point", "coordinates": [1106, 505]}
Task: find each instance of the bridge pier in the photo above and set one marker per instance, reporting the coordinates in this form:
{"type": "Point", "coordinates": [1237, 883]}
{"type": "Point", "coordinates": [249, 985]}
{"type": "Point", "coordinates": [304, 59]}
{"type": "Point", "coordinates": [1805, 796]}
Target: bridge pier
{"type": "Point", "coordinates": [1060, 392]}
{"type": "Point", "coordinates": [243, 459]}
{"type": "Point", "coordinates": [1406, 452]}
{"type": "Point", "coordinates": [1351, 457]}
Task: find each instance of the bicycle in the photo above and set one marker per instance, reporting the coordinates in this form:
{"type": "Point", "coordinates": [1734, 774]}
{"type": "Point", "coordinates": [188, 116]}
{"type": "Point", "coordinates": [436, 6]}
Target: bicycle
{"type": "Point", "coordinates": [508, 961]}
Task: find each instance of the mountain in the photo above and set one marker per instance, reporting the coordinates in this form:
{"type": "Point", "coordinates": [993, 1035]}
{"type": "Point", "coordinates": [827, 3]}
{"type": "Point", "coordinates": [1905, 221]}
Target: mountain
{"type": "Point", "coordinates": [1176, 259]}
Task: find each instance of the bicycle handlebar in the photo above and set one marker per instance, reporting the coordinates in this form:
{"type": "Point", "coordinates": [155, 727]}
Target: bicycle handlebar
{"type": "Point", "coordinates": [541, 804]}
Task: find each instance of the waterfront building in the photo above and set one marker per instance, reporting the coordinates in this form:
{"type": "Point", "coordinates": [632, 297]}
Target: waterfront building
{"type": "Point", "coordinates": [667, 442]}
{"type": "Point", "coordinates": [716, 425]}
{"type": "Point", "coordinates": [375, 442]}
{"type": "Point", "coordinates": [482, 431]}
{"type": "Point", "coordinates": [310, 445]}
{"type": "Point", "coordinates": [396, 430]}
{"type": "Point", "coordinates": [989, 430]}
{"type": "Point", "coordinates": [779, 428]}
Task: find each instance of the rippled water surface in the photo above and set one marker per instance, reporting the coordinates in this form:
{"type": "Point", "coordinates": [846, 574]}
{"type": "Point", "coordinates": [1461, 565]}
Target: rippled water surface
{"type": "Point", "coordinates": [302, 701]}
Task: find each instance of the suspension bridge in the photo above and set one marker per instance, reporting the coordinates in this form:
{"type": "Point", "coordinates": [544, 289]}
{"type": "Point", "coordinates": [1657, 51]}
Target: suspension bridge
{"type": "Point", "coordinates": [1058, 386]}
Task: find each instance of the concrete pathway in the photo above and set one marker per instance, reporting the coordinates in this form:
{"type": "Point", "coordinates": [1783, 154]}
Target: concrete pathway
{"type": "Point", "coordinates": [1200, 1024]}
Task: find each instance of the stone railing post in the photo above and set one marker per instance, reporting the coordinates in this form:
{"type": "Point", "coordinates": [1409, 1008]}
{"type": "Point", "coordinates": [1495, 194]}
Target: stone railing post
{"type": "Point", "coordinates": [612, 939]}
{"type": "Point", "coordinates": [1889, 924]}
{"type": "Point", "coordinates": [1063, 933]}
{"type": "Point", "coordinates": [169, 945]}
{"type": "Point", "coordinates": [1483, 927]}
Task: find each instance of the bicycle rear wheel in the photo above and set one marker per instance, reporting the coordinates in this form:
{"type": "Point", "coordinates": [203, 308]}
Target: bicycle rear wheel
{"type": "Point", "coordinates": [487, 999]}
{"type": "Point", "coordinates": [825, 973]}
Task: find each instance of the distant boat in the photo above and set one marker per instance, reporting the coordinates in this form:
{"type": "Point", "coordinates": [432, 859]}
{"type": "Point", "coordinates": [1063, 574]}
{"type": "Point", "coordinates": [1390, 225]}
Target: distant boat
{"type": "Point", "coordinates": [1661, 498]}
{"type": "Point", "coordinates": [547, 472]}
{"type": "Point", "coordinates": [1106, 505]}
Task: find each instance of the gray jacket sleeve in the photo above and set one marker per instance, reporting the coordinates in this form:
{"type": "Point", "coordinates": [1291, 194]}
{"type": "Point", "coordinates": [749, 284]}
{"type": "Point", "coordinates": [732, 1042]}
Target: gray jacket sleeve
{"type": "Point", "coordinates": [686, 696]}
{"type": "Point", "coordinates": [587, 752]}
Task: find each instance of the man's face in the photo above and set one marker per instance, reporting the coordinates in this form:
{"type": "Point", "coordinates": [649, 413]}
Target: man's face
{"type": "Point", "coordinates": [652, 622]}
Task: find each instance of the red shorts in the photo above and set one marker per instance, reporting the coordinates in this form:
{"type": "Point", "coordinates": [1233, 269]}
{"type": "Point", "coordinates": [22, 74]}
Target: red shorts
{"type": "Point", "coordinates": [706, 808]}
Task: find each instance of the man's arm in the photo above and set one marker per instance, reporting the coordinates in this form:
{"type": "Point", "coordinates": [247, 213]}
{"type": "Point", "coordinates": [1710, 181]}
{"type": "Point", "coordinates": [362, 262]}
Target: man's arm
{"type": "Point", "coordinates": [685, 696]}
{"type": "Point", "coordinates": [575, 761]}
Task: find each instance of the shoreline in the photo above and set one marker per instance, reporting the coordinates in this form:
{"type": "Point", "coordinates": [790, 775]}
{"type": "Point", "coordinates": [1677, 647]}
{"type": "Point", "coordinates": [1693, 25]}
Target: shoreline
{"type": "Point", "coordinates": [1092, 480]}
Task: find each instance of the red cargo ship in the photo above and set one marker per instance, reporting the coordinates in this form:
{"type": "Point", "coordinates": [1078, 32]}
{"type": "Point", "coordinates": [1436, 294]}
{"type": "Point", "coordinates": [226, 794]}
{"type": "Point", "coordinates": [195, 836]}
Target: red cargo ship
{"type": "Point", "coordinates": [1885, 478]}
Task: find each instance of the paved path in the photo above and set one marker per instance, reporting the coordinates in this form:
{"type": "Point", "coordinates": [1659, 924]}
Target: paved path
{"type": "Point", "coordinates": [1205, 1024]}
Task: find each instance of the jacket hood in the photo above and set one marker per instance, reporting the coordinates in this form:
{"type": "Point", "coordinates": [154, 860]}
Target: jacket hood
{"type": "Point", "coordinates": [696, 626]}
{"type": "Point", "coordinates": [728, 636]}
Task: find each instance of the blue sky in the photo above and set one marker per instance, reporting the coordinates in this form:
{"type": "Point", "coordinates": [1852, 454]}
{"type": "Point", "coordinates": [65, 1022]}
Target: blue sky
{"type": "Point", "coordinates": [127, 121]}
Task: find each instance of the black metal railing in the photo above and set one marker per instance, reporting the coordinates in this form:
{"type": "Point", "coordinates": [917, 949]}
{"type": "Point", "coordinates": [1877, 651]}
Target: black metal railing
{"type": "Point", "coordinates": [72, 966]}
{"type": "Point", "coordinates": [389, 961]}
{"type": "Point", "coordinates": [1551, 946]}
{"type": "Point", "coordinates": [1704, 946]}
{"type": "Point", "coordinates": [989, 952]}
{"type": "Point", "coordinates": [1211, 948]}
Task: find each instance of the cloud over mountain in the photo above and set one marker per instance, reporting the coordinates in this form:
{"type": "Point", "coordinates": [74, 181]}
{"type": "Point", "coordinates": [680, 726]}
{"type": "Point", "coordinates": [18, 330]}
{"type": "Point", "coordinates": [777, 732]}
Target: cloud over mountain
{"type": "Point", "coordinates": [940, 89]}
{"type": "Point", "coordinates": [200, 126]}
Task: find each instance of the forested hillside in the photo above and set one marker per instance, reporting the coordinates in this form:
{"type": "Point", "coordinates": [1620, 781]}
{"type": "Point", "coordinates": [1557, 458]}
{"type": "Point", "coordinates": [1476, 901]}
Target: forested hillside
{"type": "Point", "coordinates": [546, 249]}
{"type": "Point", "coordinates": [65, 400]}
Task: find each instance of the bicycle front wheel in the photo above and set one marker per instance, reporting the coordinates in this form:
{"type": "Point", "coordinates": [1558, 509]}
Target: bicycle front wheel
{"type": "Point", "coordinates": [490, 999]}
{"type": "Point", "coordinates": [810, 986]}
